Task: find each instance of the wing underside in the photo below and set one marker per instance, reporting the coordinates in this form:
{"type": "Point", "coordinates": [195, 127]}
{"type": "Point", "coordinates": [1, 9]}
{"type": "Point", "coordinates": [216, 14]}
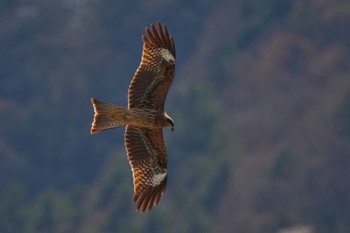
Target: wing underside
{"type": "Point", "coordinates": [148, 89]}
{"type": "Point", "coordinates": [147, 156]}
{"type": "Point", "coordinates": [155, 74]}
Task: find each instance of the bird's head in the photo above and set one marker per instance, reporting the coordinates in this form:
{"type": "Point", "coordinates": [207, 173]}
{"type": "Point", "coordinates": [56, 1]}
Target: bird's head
{"type": "Point", "coordinates": [170, 122]}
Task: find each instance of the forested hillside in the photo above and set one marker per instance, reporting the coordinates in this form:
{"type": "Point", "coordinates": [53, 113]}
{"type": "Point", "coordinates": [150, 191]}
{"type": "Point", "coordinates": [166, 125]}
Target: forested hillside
{"type": "Point", "coordinates": [261, 104]}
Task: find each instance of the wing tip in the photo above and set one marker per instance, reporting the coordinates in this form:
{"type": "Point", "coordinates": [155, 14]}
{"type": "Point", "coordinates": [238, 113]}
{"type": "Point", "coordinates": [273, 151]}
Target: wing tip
{"type": "Point", "coordinates": [159, 37]}
{"type": "Point", "coordinates": [149, 198]}
{"type": "Point", "coordinates": [145, 39]}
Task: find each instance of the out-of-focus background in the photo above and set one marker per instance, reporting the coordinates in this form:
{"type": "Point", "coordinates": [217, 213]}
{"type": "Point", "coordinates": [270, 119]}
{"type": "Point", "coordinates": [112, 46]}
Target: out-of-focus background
{"type": "Point", "coordinates": [261, 103]}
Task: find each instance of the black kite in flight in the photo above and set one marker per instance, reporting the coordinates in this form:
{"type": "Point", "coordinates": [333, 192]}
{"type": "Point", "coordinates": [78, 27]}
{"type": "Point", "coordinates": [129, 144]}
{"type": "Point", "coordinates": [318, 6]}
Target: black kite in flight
{"type": "Point", "coordinates": [145, 117]}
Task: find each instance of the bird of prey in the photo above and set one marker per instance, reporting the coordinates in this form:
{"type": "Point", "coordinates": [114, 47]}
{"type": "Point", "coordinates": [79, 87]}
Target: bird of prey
{"type": "Point", "coordinates": [145, 118]}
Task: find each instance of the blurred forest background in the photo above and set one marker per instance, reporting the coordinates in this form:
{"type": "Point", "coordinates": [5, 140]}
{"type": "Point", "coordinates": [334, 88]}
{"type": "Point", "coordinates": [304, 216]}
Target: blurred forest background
{"type": "Point", "coordinates": [261, 103]}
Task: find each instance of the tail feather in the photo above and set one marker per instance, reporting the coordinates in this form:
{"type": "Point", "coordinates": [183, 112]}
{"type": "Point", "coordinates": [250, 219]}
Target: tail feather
{"type": "Point", "coordinates": [107, 116]}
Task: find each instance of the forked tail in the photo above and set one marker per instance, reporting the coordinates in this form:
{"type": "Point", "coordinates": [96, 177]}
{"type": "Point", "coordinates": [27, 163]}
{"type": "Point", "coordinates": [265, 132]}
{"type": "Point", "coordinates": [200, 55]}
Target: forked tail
{"type": "Point", "coordinates": [107, 116]}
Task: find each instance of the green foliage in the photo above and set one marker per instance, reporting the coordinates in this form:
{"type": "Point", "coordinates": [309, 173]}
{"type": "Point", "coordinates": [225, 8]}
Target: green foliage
{"type": "Point", "coordinates": [52, 211]}
{"type": "Point", "coordinates": [12, 199]}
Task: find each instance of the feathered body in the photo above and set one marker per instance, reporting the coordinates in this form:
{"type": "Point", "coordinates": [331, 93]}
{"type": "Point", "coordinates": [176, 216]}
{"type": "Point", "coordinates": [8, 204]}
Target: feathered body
{"type": "Point", "coordinates": [145, 117]}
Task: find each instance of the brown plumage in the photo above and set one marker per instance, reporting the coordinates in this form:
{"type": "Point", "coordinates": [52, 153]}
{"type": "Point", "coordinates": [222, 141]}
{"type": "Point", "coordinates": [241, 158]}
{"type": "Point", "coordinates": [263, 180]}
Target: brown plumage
{"type": "Point", "coordinates": [145, 117]}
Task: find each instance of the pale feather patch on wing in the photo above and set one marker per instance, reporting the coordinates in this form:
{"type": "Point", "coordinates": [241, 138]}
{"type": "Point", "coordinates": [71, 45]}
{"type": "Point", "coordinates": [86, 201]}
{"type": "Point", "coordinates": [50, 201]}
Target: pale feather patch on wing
{"type": "Point", "coordinates": [158, 178]}
{"type": "Point", "coordinates": [167, 56]}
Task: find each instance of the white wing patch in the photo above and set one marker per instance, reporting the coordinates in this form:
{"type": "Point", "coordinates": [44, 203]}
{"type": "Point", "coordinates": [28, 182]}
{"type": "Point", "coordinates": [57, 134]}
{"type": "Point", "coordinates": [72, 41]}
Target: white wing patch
{"type": "Point", "coordinates": [167, 55]}
{"type": "Point", "coordinates": [158, 178]}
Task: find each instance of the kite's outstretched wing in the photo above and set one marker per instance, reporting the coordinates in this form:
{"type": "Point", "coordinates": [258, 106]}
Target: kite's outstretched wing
{"type": "Point", "coordinates": [152, 80]}
{"type": "Point", "coordinates": [148, 159]}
